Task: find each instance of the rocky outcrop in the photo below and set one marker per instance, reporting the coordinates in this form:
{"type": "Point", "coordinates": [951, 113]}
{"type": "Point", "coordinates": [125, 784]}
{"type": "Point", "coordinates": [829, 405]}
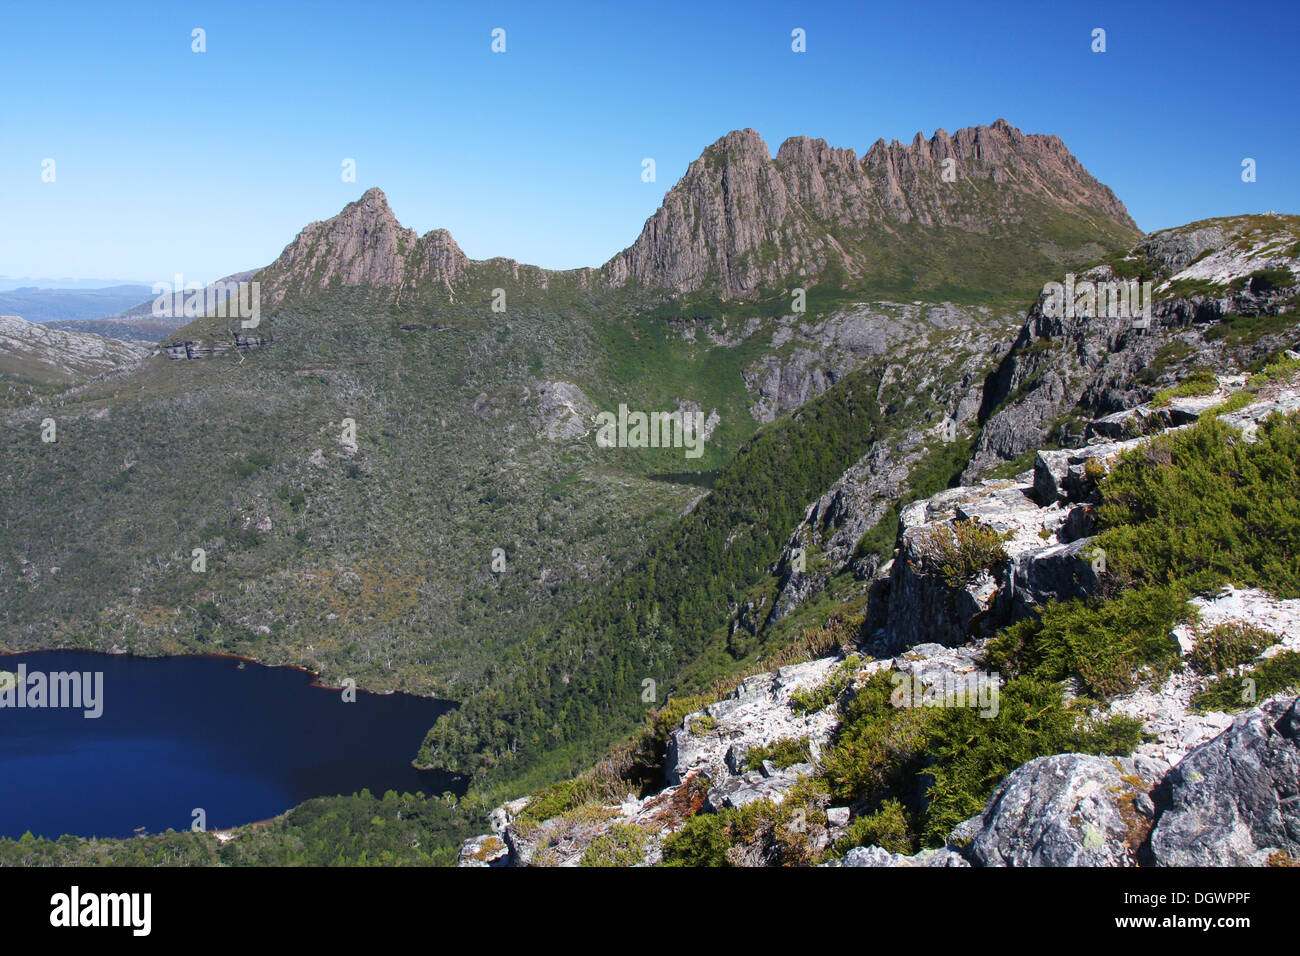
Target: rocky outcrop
{"type": "Point", "coordinates": [1098, 365]}
{"type": "Point", "coordinates": [49, 354]}
{"type": "Point", "coordinates": [562, 410]}
{"type": "Point", "coordinates": [364, 245]}
{"type": "Point", "coordinates": [878, 857]}
{"type": "Point", "coordinates": [190, 349]}
{"type": "Point", "coordinates": [1035, 552]}
{"type": "Point", "coordinates": [714, 742]}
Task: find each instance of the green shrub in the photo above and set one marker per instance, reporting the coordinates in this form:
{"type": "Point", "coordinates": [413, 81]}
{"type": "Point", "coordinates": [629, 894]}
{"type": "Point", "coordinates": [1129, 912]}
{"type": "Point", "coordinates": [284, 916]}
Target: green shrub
{"type": "Point", "coordinates": [1232, 692]}
{"type": "Point", "coordinates": [880, 750]}
{"type": "Point", "coordinates": [1264, 280]}
{"type": "Point", "coordinates": [972, 753]}
{"type": "Point", "coordinates": [887, 828]}
{"type": "Point", "coordinates": [1227, 646]}
{"type": "Point", "coordinates": [1103, 645]}
{"type": "Point", "coordinates": [878, 747]}
{"type": "Point", "coordinates": [622, 845]}
{"type": "Point", "coordinates": [559, 798]}
{"type": "Point", "coordinates": [1198, 383]}
{"type": "Point", "coordinates": [702, 841]}
{"type": "Point", "coordinates": [961, 551]}
{"type": "Point", "coordinates": [784, 753]}
{"type": "Point", "coordinates": [1200, 508]}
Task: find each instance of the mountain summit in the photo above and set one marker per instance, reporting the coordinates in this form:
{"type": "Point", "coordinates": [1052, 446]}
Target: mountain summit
{"type": "Point", "coordinates": [363, 245]}
{"type": "Point", "coordinates": [740, 219]}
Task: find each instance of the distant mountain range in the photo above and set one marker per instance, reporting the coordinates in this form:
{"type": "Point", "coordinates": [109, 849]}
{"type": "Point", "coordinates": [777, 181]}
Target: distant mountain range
{"type": "Point", "coordinates": [43, 305]}
{"type": "Point", "coordinates": [10, 283]}
{"type": "Point", "coordinates": [981, 212]}
{"type": "Point", "coordinates": [137, 323]}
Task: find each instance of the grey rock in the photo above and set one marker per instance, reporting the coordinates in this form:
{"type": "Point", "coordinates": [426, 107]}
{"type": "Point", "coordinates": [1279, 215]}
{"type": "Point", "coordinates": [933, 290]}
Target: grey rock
{"type": "Point", "coordinates": [1065, 810]}
{"type": "Point", "coordinates": [1235, 801]}
{"type": "Point", "coordinates": [875, 856]}
{"type": "Point", "coordinates": [837, 817]}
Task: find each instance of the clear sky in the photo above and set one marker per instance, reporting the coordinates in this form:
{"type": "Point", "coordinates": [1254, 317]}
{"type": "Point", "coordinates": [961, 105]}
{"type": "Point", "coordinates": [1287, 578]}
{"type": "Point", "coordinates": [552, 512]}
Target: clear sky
{"type": "Point", "coordinates": [172, 161]}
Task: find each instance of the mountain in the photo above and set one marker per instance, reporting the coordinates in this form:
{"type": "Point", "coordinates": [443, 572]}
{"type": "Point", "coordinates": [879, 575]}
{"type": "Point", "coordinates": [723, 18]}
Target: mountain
{"type": "Point", "coordinates": [54, 305]}
{"type": "Point", "coordinates": [740, 220]}
{"type": "Point", "coordinates": [10, 283]}
{"type": "Point", "coordinates": [740, 223]}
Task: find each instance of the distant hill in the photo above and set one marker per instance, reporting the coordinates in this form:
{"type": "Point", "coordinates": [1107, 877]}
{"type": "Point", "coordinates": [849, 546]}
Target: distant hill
{"type": "Point", "coordinates": [138, 323]}
{"type": "Point", "coordinates": [53, 305]}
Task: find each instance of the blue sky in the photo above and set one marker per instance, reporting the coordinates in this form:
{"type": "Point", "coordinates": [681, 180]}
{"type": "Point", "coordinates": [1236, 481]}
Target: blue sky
{"type": "Point", "coordinates": [171, 161]}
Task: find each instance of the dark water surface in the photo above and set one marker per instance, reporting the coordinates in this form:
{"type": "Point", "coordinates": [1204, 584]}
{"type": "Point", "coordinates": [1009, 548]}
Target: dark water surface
{"type": "Point", "coordinates": [180, 733]}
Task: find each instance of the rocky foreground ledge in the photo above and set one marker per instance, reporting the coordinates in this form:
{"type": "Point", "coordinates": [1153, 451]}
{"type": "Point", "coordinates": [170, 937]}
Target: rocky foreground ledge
{"type": "Point", "coordinates": [1203, 789]}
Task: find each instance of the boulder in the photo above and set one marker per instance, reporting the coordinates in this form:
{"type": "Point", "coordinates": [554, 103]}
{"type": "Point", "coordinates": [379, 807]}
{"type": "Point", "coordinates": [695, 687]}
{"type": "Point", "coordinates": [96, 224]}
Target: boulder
{"type": "Point", "coordinates": [1064, 810]}
{"type": "Point", "coordinates": [1235, 801]}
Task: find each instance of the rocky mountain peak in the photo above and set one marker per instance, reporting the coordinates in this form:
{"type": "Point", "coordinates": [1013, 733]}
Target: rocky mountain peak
{"type": "Point", "coordinates": [364, 245]}
{"type": "Point", "coordinates": [740, 219]}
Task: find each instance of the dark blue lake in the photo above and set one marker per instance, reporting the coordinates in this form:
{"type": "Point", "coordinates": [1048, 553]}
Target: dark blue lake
{"type": "Point", "coordinates": [179, 733]}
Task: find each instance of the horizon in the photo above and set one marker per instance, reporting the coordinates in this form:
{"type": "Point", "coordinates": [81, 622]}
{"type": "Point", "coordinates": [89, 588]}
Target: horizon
{"type": "Point", "coordinates": [174, 166]}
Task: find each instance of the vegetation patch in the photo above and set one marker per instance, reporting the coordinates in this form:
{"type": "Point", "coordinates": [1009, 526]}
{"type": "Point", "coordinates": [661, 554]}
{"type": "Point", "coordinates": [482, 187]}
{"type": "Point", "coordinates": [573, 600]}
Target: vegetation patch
{"type": "Point", "coordinates": [1105, 647]}
{"type": "Point", "coordinates": [1226, 647]}
{"type": "Point", "coordinates": [783, 753]}
{"type": "Point", "coordinates": [884, 752]}
{"type": "Point", "coordinates": [962, 551]}
{"type": "Point", "coordinates": [1232, 692]}
{"type": "Point", "coordinates": [623, 844]}
{"type": "Point", "coordinates": [1198, 383]}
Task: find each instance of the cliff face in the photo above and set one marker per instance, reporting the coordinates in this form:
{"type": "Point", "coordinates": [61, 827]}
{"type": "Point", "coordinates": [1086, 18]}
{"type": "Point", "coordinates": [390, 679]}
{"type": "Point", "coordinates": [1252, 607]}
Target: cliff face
{"type": "Point", "coordinates": [1064, 369]}
{"type": "Point", "coordinates": [740, 218]}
